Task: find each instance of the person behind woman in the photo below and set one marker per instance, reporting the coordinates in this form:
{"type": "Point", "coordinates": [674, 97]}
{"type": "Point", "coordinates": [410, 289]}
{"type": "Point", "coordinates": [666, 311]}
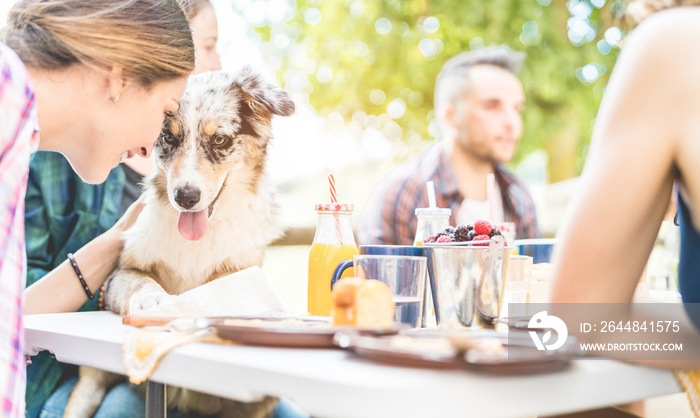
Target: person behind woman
{"type": "Point", "coordinates": [646, 137]}
{"type": "Point", "coordinates": [63, 213]}
{"type": "Point", "coordinates": [92, 80]}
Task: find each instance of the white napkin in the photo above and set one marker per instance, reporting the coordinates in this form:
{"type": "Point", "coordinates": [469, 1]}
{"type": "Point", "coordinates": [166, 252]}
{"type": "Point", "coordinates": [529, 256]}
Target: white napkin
{"type": "Point", "coordinates": [244, 293]}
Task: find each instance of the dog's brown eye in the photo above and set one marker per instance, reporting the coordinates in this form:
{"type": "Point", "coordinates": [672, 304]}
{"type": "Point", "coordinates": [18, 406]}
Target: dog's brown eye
{"type": "Point", "coordinates": [167, 138]}
{"type": "Point", "coordinates": [219, 140]}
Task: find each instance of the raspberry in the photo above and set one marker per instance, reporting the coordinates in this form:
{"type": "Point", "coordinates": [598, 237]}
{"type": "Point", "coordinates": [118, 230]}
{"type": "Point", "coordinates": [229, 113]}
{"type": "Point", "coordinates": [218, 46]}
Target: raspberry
{"type": "Point", "coordinates": [444, 238]}
{"type": "Point", "coordinates": [429, 239]}
{"type": "Point", "coordinates": [482, 238]}
{"type": "Point", "coordinates": [482, 227]}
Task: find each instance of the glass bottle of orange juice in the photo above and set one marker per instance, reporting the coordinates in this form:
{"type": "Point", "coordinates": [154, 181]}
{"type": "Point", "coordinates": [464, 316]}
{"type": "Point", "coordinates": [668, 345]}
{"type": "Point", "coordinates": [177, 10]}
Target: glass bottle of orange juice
{"type": "Point", "coordinates": [333, 243]}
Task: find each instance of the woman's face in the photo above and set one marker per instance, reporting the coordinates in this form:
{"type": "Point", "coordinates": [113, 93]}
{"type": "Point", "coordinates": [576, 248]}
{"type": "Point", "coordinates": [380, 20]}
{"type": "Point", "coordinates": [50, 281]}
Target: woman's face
{"type": "Point", "coordinates": [205, 33]}
{"type": "Point", "coordinates": [127, 127]}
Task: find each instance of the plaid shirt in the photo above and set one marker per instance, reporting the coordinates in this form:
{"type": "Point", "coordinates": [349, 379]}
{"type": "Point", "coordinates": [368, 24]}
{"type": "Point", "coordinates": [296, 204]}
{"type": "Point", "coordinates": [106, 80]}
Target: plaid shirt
{"type": "Point", "coordinates": [389, 217]}
{"type": "Point", "coordinates": [18, 138]}
{"type": "Point", "coordinates": [63, 213]}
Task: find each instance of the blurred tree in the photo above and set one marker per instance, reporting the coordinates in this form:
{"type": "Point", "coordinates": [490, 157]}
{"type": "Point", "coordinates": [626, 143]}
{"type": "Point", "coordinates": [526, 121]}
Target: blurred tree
{"type": "Point", "coordinates": [374, 63]}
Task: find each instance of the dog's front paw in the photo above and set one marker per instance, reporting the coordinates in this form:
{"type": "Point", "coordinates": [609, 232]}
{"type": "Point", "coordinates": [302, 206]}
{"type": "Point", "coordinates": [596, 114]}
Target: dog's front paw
{"type": "Point", "coordinates": [147, 299]}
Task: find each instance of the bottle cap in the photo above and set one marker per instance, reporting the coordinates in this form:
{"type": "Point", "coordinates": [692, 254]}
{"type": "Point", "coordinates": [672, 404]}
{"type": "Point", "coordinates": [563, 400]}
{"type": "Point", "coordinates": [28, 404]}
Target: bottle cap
{"type": "Point", "coordinates": [433, 212]}
{"type": "Point", "coordinates": [335, 207]}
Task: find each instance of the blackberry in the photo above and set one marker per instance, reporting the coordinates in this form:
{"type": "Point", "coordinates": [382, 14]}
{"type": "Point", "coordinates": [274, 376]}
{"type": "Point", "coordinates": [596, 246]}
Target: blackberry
{"type": "Point", "coordinates": [471, 235]}
{"type": "Point", "coordinates": [462, 233]}
{"type": "Point", "coordinates": [470, 227]}
{"type": "Point", "coordinates": [450, 229]}
{"type": "Point", "coordinates": [495, 231]}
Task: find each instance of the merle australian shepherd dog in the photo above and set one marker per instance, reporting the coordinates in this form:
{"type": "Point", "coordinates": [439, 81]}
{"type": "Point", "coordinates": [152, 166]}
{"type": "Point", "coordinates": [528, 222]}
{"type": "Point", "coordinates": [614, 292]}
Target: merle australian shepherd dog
{"type": "Point", "coordinates": [209, 213]}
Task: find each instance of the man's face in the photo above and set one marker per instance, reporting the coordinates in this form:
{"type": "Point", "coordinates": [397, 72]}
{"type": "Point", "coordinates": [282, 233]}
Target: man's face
{"type": "Point", "coordinates": [487, 118]}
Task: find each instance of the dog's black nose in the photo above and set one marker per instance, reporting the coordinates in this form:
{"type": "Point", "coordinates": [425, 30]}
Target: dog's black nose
{"type": "Point", "coordinates": [187, 197]}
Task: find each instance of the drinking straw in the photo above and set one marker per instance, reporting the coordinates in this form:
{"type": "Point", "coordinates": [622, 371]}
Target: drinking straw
{"type": "Point", "coordinates": [491, 195]}
{"type": "Point", "coordinates": [331, 183]}
{"type": "Point", "coordinates": [431, 194]}
{"type": "Point", "coordinates": [334, 199]}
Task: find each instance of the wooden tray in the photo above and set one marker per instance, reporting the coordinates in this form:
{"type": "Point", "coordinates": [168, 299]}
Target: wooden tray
{"type": "Point", "coordinates": [295, 333]}
{"type": "Point", "coordinates": [470, 350]}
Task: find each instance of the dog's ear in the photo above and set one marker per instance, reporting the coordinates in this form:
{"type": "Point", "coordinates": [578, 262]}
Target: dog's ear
{"type": "Point", "coordinates": [263, 98]}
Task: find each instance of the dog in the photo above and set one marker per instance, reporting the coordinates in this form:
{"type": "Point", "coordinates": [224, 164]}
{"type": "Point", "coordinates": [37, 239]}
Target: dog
{"type": "Point", "coordinates": [209, 212]}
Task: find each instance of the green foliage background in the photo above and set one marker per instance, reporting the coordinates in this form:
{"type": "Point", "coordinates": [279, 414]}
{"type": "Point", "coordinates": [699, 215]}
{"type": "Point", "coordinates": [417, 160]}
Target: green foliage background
{"type": "Point", "coordinates": [560, 106]}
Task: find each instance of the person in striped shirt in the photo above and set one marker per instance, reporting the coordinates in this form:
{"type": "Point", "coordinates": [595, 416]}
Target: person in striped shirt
{"type": "Point", "coordinates": [478, 101]}
{"type": "Point", "coordinates": [93, 81]}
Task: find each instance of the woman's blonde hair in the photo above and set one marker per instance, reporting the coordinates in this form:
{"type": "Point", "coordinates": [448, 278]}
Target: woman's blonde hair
{"type": "Point", "coordinates": [192, 7]}
{"type": "Point", "coordinates": [639, 10]}
{"type": "Point", "coordinates": [150, 39]}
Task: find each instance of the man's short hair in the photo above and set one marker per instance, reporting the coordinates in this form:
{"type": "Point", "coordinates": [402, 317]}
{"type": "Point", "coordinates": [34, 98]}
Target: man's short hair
{"type": "Point", "coordinates": [452, 80]}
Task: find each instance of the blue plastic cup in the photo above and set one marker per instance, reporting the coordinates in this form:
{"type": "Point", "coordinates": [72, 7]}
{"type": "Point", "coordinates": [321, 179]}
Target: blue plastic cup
{"type": "Point", "coordinates": [540, 249]}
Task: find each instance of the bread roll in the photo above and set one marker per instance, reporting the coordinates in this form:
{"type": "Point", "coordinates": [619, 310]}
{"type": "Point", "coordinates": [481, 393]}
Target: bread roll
{"type": "Point", "coordinates": [363, 303]}
{"type": "Point", "coordinates": [344, 300]}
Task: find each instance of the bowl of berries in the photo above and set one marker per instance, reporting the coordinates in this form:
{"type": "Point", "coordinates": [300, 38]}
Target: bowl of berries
{"type": "Point", "coordinates": [466, 268]}
{"type": "Point", "coordinates": [478, 234]}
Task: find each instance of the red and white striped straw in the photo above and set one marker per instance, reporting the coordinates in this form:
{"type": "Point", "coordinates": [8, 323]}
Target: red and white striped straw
{"type": "Point", "coordinates": [334, 199]}
{"type": "Point", "coordinates": [331, 183]}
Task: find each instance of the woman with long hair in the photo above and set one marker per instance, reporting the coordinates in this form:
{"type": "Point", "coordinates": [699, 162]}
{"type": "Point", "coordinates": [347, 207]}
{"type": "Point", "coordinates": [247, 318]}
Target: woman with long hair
{"type": "Point", "coordinates": [93, 81]}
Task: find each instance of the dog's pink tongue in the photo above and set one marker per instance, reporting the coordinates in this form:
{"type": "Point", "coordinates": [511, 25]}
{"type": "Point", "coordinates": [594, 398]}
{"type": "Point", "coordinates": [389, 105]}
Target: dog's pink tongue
{"type": "Point", "coordinates": [193, 225]}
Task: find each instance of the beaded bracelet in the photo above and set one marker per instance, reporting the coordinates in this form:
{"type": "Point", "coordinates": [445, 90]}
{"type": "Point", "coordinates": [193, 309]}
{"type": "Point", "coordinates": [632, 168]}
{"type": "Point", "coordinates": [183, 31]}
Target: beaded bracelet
{"type": "Point", "coordinates": [101, 299]}
{"type": "Point", "coordinates": [80, 276]}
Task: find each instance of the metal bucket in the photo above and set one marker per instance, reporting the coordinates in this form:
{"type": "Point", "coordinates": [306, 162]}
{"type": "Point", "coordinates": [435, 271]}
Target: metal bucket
{"type": "Point", "coordinates": [467, 282]}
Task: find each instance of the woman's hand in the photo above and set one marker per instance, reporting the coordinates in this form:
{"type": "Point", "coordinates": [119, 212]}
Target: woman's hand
{"type": "Point", "coordinates": [97, 259]}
